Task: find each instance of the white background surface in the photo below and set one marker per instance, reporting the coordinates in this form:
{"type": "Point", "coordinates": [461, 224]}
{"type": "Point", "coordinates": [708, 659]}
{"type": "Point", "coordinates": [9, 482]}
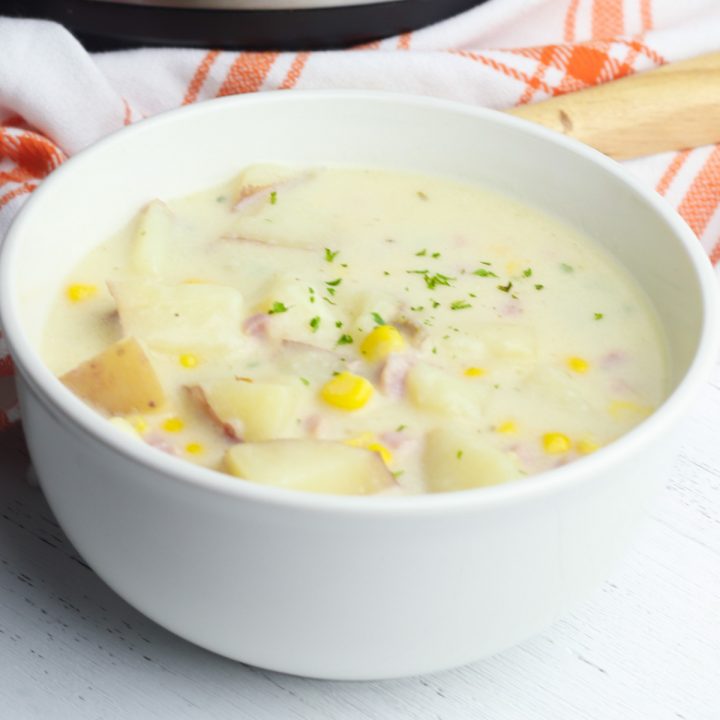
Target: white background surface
{"type": "Point", "coordinates": [646, 646]}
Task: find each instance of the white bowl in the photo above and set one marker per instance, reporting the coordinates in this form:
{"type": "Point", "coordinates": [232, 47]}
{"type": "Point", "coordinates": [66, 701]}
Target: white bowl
{"type": "Point", "coordinates": [338, 587]}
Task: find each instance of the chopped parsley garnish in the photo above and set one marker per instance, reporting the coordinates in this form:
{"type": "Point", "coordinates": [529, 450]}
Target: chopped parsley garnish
{"type": "Point", "coordinates": [400, 428]}
{"type": "Point", "coordinates": [485, 262]}
{"type": "Point", "coordinates": [330, 255]}
{"type": "Point", "coordinates": [328, 300]}
{"type": "Point", "coordinates": [599, 316]}
{"type": "Point", "coordinates": [459, 305]}
{"type": "Point", "coordinates": [304, 381]}
{"type": "Point", "coordinates": [277, 307]}
{"type": "Point", "coordinates": [417, 308]}
{"type": "Point", "coordinates": [422, 253]}
{"type": "Point", "coordinates": [331, 291]}
{"type": "Point", "coordinates": [459, 454]}
{"type": "Point", "coordinates": [566, 268]}
{"type": "Point", "coordinates": [220, 199]}
{"type": "Point", "coordinates": [311, 290]}
{"type": "Point", "coordinates": [432, 281]}
{"type": "Point", "coordinates": [505, 288]}
{"type": "Point", "coordinates": [338, 323]}
{"type": "Point", "coordinates": [422, 195]}
{"type": "Point", "coordinates": [345, 340]}
{"type": "Point", "coordinates": [482, 272]}
{"type": "Point", "coordinates": [436, 255]}
{"type": "Point", "coordinates": [333, 283]}
{"type": "Point", "coordinates": [398, 473]}
{"type": "Point", "coordinates": [539, 287]}
{"type": "Point", "coordinates": [273, 197]}
{"type": "Point", "coordinates": [377, 318]}
{"type": "Point", "coordinates": [527, 272]}
{"type": "Point", "coordinates": [315, 323]}
{"type": "Point", "coordinates": [434, 351]}
{"type": "Point", "coordinates": [343, 265]}
{"type": "Point", "coordinates": [435, 303]}
{"type": "Point", "coordinates": [385, 272]}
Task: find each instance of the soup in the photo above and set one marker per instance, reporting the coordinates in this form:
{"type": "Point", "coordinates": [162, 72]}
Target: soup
{"type": "Point", "coordinates": [358, 331]}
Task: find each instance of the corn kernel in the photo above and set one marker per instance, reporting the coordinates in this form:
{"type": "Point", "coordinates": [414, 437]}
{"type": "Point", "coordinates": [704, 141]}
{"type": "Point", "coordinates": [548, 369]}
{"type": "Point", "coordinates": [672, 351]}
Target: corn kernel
{"type": "Point", "coordinates": [578, 364]}
{"type": "Point", "coordinates": [194, 448]}
{"type": "Point", "coordinates": [79, 292]}
{"type": "Point", "coordinates": [347, 391]}
{"type": "Point", "coordinates": [585, 446]}
{"type": "Point", "coordinates": [368, 441]}
{"type": "Point", "coordinates": [173, 425]}
{"type": "Point", "coordinates": [188, 360]}
{"type": "Point", "coordinates": [475, 372]}
{"type": "Point", "coordinates": [555, 443]}
{"type": "Point", "coordinates": [507, 428]}
{"type": "Point", "coordinates": [382, 341]}
{"type": "Point", "coordinates": [624, 409]}
{"type": "Point", "coordinates": [139, 423]}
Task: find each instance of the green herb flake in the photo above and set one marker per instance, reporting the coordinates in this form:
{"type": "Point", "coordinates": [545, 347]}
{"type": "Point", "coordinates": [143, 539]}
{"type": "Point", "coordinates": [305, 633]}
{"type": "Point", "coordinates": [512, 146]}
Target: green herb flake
{"type": "Point", "coordinates": [398, 473]}
{"type": "Point", "coordinates": [338, 324]}
{"type": "Point", "coordinates": [385, 272]}
{"type": "Point", "coordinates": [377, 318]}
{"type": "Point", "coordinates": [567, 268]}
{"type": "Point", "coordinates": [539, 287]}
{"type": "Point", "coordinates": [273, 197]}
{"type": "Point", "coordinates": [417, 308]}
{"type": "Point", "coordinates": [482, 272]}
{"type": "Point", "coordinates": [435, 303]}
{"type": "Point", "coordinates": [422, 253]}
{"type": "Point", "coordinates": [333, 283]}
{"type": "Point", "coordinates": [599, 316]}
{"type": "Point", "coordinates": [459, 454]}
{"type": "Point", "coordinates": [345, 340]}
{"type": "Point", "coordinates": [400, 428]}
{"type": "Point", "coordinates": [432, 281]}
{"type": "Point", "coordinates": [343, 265]}
{"type": "Point", "coordinates": [220, 199]}
{"type": "Point", "coordinates": [460, 305]}
{"type": "Point", "coordinates": [330, 255]}
{"type": "Point", "coordinates": [527, 272]}
{"type": "Point", "coordinates": [434, 351]}
{"type": "Point", "coordinates": [505, 288]}
{"type": "Point", "coordinates": [422, 195]}
{"type": "Point", "coordinates": [436, 255]}
{"type": "Point", "coordinates": [305, 381]}
{"type": "Point", "coordinates": [315, 323]}
{"type": "Point", "coordinates": [485, 262]}
{"type": "Point", "coordinates": [331, 291]}
{"type": "Point", "coordinates": [329, 301]}
{"type": "Point", "coordinates": [277, 308]}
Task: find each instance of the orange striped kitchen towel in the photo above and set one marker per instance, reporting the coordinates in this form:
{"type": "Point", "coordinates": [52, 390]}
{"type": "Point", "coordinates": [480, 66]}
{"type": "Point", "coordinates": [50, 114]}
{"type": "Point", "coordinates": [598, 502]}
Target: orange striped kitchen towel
{"type": "Point", "coordinates": [56, 99]}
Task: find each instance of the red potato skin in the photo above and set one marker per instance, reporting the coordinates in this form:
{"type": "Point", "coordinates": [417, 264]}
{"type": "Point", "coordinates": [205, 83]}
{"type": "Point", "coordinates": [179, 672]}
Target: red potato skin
{"type": "Point", "coordinates": [197, 395]}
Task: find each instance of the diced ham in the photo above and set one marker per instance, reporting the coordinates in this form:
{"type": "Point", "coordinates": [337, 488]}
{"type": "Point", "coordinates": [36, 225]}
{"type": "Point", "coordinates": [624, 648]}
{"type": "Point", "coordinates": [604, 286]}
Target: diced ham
{"type": "Point", "coordinates": [613, 359]}
{"type": "Point", "coordinates": [257, 325]}
{"type": "Point", "coordinates": [160, 442]}
{"type": "Point", "coordinates": [395, 440]}
{"type": "Point", "coordinates": [393, 376]}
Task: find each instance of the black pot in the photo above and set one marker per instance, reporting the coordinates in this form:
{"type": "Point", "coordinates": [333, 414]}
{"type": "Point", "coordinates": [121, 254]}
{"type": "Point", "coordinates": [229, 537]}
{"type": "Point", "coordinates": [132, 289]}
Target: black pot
{"type": "Point", "coordinates": [238, 24]}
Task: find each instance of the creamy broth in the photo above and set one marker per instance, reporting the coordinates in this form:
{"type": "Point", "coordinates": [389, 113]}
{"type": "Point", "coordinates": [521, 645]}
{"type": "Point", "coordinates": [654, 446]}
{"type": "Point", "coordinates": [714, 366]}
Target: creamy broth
{"type": "Point", "coordinates": [440, 335]}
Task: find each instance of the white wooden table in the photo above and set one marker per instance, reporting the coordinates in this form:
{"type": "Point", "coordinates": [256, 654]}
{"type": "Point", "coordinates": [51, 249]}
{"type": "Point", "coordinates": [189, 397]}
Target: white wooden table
{"type": "Point", "coordinates": [645, 647]}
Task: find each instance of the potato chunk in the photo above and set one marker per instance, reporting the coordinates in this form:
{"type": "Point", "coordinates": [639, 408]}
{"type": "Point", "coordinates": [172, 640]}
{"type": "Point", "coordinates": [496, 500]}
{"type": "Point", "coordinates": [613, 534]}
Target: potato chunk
{"type": "Point", "coordinates": [318, 466]}
{"type": "Point", "coordinates": [152, 238]}
{"type": "Point", "coordinates": [430, 388]}
{"type": "Point", "coordinates": [201, 318]}
{"type": "Point", "coordinates": [120, 380]}
{"type": "Point", "coordinates": [252, 411]}
{"type": "Point", "coordinates": [457, 459]}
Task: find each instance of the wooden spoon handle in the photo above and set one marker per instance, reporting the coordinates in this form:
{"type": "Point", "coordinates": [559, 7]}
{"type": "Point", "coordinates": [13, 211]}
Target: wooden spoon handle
{"type": "Point", "coordinates": [673, 107]}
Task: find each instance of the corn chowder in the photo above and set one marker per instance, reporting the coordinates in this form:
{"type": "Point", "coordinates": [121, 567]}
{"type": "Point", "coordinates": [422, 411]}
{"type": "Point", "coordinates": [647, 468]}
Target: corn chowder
{"type": "Point", "coordinates": [358, 331]}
